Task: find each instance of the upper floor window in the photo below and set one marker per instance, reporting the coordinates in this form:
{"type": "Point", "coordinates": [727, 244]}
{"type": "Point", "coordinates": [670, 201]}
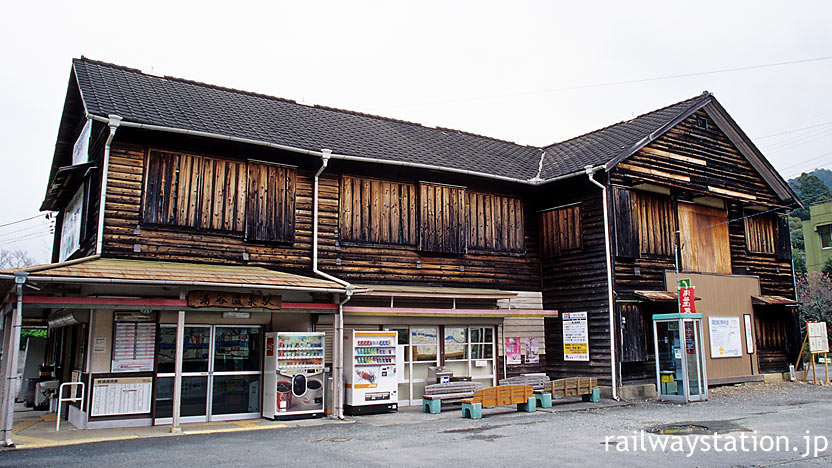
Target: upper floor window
{"type": "Point", "coordinates": [645, 223]}
{"type": "Point", "coordinates": [442, 218]}
{"type": "Point", "coordinates": [759, 232]}
{"type": "Point", "coordinates": [201, 192]}
{"type": "Point", "coordinates": [377, 211]}
{"type": "Point", "coordinates": [825, 233]}
{"type": "Point", "coordinates": [495, 223]}
{"type": "Point", "coordinates": [560, 231]}
{"type": "Point", "coordinates": [703, 234]}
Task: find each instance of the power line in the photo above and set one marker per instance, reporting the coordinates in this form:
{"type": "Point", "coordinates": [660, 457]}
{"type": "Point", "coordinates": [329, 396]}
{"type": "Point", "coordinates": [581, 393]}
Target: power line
{"type": "Point", "coordinates": [21, 220]}
{"type": "Point", "coordinates": [26, 237]}
{"type": "Point", "coordinates": [792, 130]}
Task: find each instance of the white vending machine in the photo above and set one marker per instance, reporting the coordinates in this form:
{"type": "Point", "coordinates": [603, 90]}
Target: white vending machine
{"type": "Point", "coordinates": [370, 374]}
{"type": "Point", "coordinates": [293, 376]}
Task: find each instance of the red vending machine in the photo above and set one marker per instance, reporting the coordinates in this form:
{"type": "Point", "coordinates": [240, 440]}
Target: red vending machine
{"type": "Point", "coordinates": [293, 380]}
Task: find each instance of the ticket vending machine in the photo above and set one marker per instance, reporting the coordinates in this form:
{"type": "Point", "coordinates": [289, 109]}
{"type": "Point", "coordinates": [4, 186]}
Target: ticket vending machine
{"type": "Point", "coordinates": [681, 374]}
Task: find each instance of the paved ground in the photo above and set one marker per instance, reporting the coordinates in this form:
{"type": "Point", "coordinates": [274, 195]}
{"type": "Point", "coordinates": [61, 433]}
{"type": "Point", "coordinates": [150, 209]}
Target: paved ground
{"type": "Point", "coordinates": [586, 437]}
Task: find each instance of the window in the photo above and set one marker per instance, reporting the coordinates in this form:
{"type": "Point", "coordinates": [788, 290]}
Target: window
{"type": "Point", "coordinates": [270, 206]}
{"type": "Point", "coordinates": [442, 218]}
{"type": "Point", "coordinates": [560, 231]}
{"type": "Point", "coordinates": [482, 342]}
{"type": "Point", "coordinates": [456, 343]}
{"type": "Point", "coordinates": [644, 224]}
{"type": "Point", "coordinates": [200, 192]}
{"type": "Point", "coordinates": [495, 223]}
{"type": "Point", "coordinates": [759, 232]}
{"type": "Point", "coordinates": [703, 232]}
{"type": "Point", "coordinates": [825, 233]}
{"type": "Point", "coordinates": [377, 211]}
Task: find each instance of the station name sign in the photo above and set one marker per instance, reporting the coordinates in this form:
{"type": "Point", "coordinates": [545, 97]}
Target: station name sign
{"type": "Point", "coordinates": [198, 299]}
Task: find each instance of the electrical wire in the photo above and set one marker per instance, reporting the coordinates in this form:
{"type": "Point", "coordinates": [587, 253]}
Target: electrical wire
{"type": "Point", "coordinates": [22, 220]}
{"type": "Point", "coordinates": [793, 130]}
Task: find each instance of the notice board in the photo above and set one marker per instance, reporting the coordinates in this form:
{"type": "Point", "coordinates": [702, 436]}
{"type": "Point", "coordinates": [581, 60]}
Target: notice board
{"type": "Point", "coordinates": [818, 339]}
{"type": "Point", "coordinates": [575, 336]}
{"type": "Point", "coordinates": [725, 337]}
{"type": "Point", "coordinates": [123, 395]}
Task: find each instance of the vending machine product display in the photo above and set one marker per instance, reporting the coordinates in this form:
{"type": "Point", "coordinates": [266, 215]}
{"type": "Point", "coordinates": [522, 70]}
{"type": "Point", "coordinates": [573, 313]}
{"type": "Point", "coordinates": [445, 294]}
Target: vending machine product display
{"type": "Point", "coordinates": [293, 380]}
{"type": "Point", "coordinates": [370, 372]}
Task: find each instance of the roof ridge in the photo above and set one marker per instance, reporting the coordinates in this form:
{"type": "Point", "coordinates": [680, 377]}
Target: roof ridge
{"type": "Point", "coordinates": [276, 98]}
{"type": "Point", "coordinates": [701, 96]}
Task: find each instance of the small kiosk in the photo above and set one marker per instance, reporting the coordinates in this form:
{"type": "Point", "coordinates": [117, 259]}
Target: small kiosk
{"type": "Point", "coordinates": [680, 361]}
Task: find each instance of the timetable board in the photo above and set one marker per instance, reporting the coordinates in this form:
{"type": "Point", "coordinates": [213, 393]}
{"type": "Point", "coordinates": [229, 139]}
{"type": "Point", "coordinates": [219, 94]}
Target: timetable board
{"type": "Point", "coordinates": [134, 345]}
{"type": "Point", "coordinates": [123, 395]}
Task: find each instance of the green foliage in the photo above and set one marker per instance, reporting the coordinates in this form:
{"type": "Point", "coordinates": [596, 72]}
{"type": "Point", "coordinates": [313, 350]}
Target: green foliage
{"type": "Point", "coordinates": [814, 291]}
{"type": "Point", "coordinates": [811, 190]}
{"type": "Point", "coordinates": [799, 259]}
{"type": "Point", "coordinates": [33, 332]}
{"type": "Point", "coordinates": [796, 234]}
{"type": "Point", "coordinates": [827, 267]}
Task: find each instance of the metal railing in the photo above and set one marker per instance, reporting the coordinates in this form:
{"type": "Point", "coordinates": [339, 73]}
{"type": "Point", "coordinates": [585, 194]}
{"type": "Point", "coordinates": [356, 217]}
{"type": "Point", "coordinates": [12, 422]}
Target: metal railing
{"type": "Point", "coordinates": [62, 399]}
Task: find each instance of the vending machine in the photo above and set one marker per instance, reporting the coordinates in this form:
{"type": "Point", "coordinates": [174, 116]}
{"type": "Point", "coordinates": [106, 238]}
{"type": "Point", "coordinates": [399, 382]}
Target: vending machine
{"type": "Point", "coordinates": [293, 377]}
{"type": "Point", "coordinates": [370, 372]}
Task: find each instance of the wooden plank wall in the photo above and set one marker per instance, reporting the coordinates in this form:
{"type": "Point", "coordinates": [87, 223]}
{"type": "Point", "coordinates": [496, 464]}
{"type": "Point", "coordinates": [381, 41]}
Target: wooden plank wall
{"type": "Point", "coordinates": [560, 231]}
{"type": "Point", "coordinates": [775, 273]}
{"type": "Point", "coordinates": [379, 263]}
{"type": "Point", "coordinates": [577, 282]}
{"type": "Point", "coordinates": [495, 223]}
{"type": "Point", "coordinates": [378, 211]}
{"type": "Point", "coordinates": [442, 226]}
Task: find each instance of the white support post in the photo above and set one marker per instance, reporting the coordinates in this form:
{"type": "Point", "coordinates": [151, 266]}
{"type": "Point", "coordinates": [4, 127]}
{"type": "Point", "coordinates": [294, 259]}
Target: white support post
{"type": "Point", "coordinates": [6, 318]}
{"type": "Point", "coordinates": [10, 353]}
{"type": "Point", "coordinates": [177, 379]}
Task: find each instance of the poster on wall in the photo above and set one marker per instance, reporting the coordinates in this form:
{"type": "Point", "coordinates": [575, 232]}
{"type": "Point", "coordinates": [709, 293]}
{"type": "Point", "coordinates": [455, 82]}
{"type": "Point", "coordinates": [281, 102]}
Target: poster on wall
{"type": "Point", "coordinates": [818, 338]}
{"type": "Point", "coordinates": [575, 336]}
{"type": "Point", "coordinates": [725, 337]}
{"type": "Point", "coordinates": [513, 351]}
{"type": "Point", "coordinates": [129, 395]}
{"type": "Point", "coordinates": [134, 345]}
{"type": "Point", "coordinates": [71, 226]}
{"type": "Point", "coordinates": [532, 350]}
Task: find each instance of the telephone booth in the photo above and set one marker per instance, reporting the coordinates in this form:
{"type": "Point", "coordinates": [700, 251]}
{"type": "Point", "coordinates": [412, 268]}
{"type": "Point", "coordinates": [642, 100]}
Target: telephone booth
{"type": "Point", "coordinates": [680, 360]}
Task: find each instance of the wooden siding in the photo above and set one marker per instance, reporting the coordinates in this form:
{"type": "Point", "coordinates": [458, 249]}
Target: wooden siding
{"type": "Point", "coordinates": [377, 211]}
{"type": "Point", "coordinates": [577, 282]}
{"type": "Point", "coordinates": [442, 212]}
{"type": "Point", "coordinates": [775, 273]}
{"type": "Point", "coordinates": [127, 236]}
{"type": "Point", "coordinates": [270, 206]}
{"type": "Point", "coordinates": [495, 223]}
{"type": "Point", "coordinates": [560, 231]}
{"type": "Point", "coordinates": [759, 232]}
{"type": "Point", "coordinates": [703, 234]}
{"type": "Point", "coordinates": [644, 225]}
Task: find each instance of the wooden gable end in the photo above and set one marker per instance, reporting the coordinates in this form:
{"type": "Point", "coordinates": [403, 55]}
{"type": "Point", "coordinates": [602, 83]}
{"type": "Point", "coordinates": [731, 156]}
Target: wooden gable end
{"type": "Point", "coordinates": [695, 154]}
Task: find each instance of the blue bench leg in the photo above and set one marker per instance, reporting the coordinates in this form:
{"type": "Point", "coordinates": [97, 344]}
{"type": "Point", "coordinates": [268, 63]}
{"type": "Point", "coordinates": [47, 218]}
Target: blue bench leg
{"type": "Point", "coordinates": [528, 407]}
{"type": "Point", "coordinates": [544, 400]}
{"type": "Point", "coordinates": [472, 410]}
{"type": "Point", "coordinates": [594, 397]}
{"type": "Point", "coordinates": [431, 406]}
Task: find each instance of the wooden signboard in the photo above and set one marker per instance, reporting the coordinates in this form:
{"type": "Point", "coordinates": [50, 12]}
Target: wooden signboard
{"type": "Point", "coordinates": [198, 299]}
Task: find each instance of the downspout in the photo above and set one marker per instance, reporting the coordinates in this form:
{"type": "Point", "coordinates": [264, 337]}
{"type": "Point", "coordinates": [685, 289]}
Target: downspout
{"type": "Point", "coordinates": [113, 122]}
{"type": "Point", "coordinates": [338, 351]}
{"type": "Point", "coordinates": [10, 358]}
{"type": "Point", "coordinates": [590, 172]}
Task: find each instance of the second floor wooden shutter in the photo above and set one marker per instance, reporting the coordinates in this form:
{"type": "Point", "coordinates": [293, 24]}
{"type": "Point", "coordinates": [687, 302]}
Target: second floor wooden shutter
{"type": "Point", "coordinates": [442, 218]}
{"type": "Point", "coordinates": [626, 224]}
{"type": "Point", "coordinates": [783, 238]}
{"type": "Point", "coordinates": [270, 205]}
{"type": "Point", "coordinates": [495, 223]}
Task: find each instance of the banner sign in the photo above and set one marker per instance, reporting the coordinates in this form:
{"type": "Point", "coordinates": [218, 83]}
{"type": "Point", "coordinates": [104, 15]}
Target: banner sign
{"type": "Point", "coordinates": [575, 336]}
{"type": "Point", "coordinates": [687, 297]}
{"type": "Point", "coordinates": [199, 299]}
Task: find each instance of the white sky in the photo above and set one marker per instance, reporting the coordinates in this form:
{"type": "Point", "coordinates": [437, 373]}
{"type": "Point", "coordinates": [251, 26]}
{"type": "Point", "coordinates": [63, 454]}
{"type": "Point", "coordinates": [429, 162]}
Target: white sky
{"type": "Point", "coordinates": [486, 67]}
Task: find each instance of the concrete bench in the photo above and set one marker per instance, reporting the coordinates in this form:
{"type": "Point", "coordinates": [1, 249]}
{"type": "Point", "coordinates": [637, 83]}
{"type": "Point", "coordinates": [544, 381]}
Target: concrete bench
{"type": "Point", "coordinates": [503, 395]}
{"type": "Point", "coordinates": [433, 403]}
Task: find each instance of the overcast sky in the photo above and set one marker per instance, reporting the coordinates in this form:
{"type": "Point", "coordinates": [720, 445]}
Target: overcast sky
{"type": "Point", "coordinates": [529, 72]}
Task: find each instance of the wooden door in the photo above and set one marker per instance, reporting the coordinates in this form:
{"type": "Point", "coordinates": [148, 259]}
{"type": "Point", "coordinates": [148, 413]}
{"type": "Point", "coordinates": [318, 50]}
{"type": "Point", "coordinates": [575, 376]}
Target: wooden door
{"type": "Point", "coordinates": [704, 237]}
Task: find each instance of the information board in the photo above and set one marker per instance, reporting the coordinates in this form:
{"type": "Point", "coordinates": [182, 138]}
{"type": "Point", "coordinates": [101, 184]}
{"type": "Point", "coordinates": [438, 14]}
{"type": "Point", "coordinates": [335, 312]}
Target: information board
{"type": "Point", "coordinates": [134, 345]}
{"type": "Point", "coordinates": [123, 395]}
{"type": "Point", "coordinates": [575, 336]}
{"type": "Point", "coordinates": [818, 338]}
{"type": "Point", "coordinates": [71, 226]}
{"type": "Point", "coordinates": [725, 337]}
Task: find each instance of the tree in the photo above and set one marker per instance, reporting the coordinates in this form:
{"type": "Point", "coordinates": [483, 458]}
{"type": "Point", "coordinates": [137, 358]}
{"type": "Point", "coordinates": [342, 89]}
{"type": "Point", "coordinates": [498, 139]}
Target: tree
{"type": "Point", "coordinates": [814, 291]}
{"type": "Point", "coordinates": [15, 259]}
{"type": "Point", "coordinates": [827, 267]}
{"type": "Point", "coordinates": [811, 190]}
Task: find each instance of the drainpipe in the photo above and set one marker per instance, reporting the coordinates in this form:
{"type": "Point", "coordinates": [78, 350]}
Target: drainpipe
{"type": "Point", "coordinates": [590, 172]}
{"type": "Point", "coordinates": [10, 362]}
{"type": "Point", "coordinates": [338, 349]}
{"type": "Point", "coordinates": [113, 123]}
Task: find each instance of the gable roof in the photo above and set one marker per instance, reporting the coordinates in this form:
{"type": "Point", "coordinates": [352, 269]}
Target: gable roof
{"type": "Point", "coordinates": [183, 106]}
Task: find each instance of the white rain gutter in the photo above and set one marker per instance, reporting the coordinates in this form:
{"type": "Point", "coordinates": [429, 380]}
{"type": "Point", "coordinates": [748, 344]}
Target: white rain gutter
{"type": "Point", "coordinates": [320, 154]}
{"type": "Point", "coordinates": [590, 172]}
{"type": "Point", "coordinates": [113, 121]}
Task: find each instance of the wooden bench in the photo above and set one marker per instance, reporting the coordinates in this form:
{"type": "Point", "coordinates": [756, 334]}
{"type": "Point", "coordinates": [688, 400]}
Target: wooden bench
{"type": "Point", "coordinates": [586, 387]}
{"type": "Point", "coordinates": [433, 403]}
{"type": "Point", "coordinates": [503, 395]}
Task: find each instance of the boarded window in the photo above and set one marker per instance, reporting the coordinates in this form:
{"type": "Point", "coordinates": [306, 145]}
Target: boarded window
{"type": "Point", "coordinates": [634, 333]}
{"type": "Point", "coordinates": [784, 240]}
{"type": "Point", "coordinates": [442, 218]}
{"type": "Point", "coordinates": [270, 207]}
{"type": "Point", "coordinates": [560, 231]}
{"type": "Point", "coordinates": [377, 211]}
{"type": "Point", "coordinates": [704, 238]}
{"type": "Point", "coordinates": [656, 223]}
{"type": "Point", "coordinates": [194, 191]}
{"type": "Point", "coordinates": [495, 223]}
{"type": "Point", "coordinates": [626, 228]}
{"type": "Point", "coordinates": [759, 232]}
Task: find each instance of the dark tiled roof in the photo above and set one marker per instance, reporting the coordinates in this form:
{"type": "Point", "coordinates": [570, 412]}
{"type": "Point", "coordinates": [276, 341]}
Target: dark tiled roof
{"type": "Point", "coordinates": [602, 146]}
{"type": "Point", "coordinates": [171, 102]}
{"type": "Point", "coordinates": [182, 104]}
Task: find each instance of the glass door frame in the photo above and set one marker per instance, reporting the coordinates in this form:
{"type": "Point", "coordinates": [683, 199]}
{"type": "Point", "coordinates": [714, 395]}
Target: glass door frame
{"type": "Point", "coordinates": [701, 368]}
{"type": "Point", "coordinates": [209, 376]}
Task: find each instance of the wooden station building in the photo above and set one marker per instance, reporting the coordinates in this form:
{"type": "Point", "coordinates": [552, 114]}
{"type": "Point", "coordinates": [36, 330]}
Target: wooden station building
{"type": "Point", "coordinates": [187, 208]}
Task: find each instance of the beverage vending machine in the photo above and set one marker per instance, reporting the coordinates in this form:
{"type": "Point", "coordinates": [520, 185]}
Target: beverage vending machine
{"type": "Point", "coordinates": [370, 372]}
{"type": "Point", "coordinates": [293, 377]}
